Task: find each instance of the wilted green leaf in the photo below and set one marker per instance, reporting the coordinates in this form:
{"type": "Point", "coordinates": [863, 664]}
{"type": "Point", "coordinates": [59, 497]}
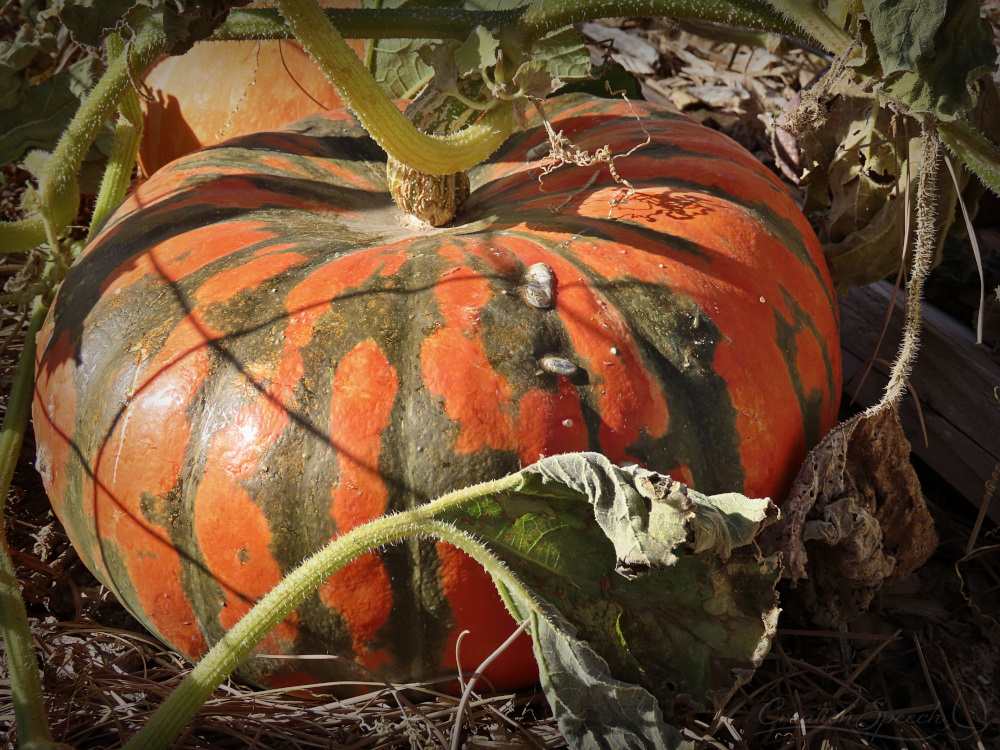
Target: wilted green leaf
{"type": "Point", "coordinates": [690, 622]}
{"type": "Point", "coordinates": [534, 79]}
{"type": "Point", "coordinates": [856, 170]}
{"type": "Point", "coordinates": [188, 21]}
{"type": "Point", "coordinates": [943, 77]}
{"type": "Point", "coordinates": [593, 709]}
{"type": "Point", "coordinates": [903, 30]}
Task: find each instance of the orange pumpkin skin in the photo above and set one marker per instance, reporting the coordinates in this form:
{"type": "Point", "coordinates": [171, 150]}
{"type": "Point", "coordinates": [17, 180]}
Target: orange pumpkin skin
{"type": "Point", "coordinates": [256, 353]}
{"type": "Point", "coordinates": [220, 90]}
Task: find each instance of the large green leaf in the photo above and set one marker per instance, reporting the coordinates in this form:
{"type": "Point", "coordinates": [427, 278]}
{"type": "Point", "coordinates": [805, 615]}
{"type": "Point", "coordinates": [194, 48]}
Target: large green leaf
{"type": "Point", "coordinates": [942, 78]}
{"type": "Point", "coordinates": [903, 30]}
{"type": "Point", "coordinates": [404, 66]}
{"type": "Point", "coordinates": [654, 596]}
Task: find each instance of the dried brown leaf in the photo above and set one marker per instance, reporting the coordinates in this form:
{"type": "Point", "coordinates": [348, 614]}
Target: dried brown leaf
{"type": "Point", "coordinates": [855, 519]}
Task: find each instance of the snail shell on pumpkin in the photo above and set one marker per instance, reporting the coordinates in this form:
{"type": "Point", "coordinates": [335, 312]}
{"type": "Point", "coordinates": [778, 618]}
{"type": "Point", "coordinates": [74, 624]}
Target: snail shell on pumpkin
{"type": "Point", "coordinates": [558, 365]}
{"type": "Point", "coordinates": [539, 286]}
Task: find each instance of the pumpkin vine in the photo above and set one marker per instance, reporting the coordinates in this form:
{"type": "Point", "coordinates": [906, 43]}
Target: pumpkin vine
{"type": "Point", "coordinates": [177, 711]}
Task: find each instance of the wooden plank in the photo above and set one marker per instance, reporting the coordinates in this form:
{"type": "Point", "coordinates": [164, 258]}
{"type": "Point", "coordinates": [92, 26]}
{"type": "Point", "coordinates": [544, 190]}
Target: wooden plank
{"type": "Point", "coordinates": [955, 380]}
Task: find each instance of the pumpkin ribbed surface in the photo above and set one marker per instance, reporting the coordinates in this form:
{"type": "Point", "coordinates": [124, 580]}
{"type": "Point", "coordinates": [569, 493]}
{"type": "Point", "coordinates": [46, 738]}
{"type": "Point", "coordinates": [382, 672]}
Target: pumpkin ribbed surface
{"type": "Point", "coordinates": [258, 352]}
{"type": "Point", "coordinates": [220, 90]}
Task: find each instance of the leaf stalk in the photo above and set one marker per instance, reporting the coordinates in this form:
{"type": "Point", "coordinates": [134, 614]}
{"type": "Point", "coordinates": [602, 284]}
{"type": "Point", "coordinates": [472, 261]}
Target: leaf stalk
{"type": "Point", "coordinates": [176, 712]}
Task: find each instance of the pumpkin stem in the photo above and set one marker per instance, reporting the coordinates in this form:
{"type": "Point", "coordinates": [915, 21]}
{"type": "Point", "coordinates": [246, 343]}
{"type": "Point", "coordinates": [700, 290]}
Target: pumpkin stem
{"type": "Point", "coordinates": [435, 199]}
{"type": "Point", "coordinates": [378, 114]}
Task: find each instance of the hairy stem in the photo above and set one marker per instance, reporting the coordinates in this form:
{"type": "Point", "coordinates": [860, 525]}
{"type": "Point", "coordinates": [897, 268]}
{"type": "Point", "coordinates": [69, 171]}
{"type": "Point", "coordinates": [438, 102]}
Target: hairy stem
{"type": "Point", "coordinates": [240, 640]}
{"type": "Point", "coordinates": [807, 15]}
{"type": "Point", "coordinates": [976, 151]}
{"type": "Point", "coordinates": [379, 115]}
{"type": "Point", "coordinates": [923, 257]}
{"type": "Point", "coordinates": [58, 188]}
{"type": "Point", "coordinates": [22, 665]}
{"type": "Point", "coordinates": [128, 134]}
{"type": "Point", "coordinates": [369, 23]}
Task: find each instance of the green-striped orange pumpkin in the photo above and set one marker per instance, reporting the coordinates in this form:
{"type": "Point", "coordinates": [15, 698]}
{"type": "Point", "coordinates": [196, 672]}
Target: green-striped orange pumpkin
{"type": "Point", "coordinates": [258, 352]}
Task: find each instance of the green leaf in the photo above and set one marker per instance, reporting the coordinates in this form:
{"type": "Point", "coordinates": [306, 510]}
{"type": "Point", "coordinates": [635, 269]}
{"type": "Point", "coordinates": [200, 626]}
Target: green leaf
{"type": "Point", "coordinates": [39, 121]}
{"type": "Point", "coordinates": [478, 53]}
{"type": "Point", "coordinates": [184, 21]}
{"type": "Point", "coordinates": [16, 57]}
{"type": "Point", "coordinates": [593, 709]}
{"type": "Point", "coordinates": [660, 591]}
{"type": "Point", "coordinates": [91, 20]}
{"type": "Point", "coordinates": [564, 54]}
{"type": "Point", "coordinates": [398, 67]}
{"type": "Point", "coordinates": [606, 78]}
{"type": "Point", "coordinates": [903, 30]}
{"type": "Point", "coordinates": [556, 59]}
{"type": "Point", "coordinates": [942, 80]}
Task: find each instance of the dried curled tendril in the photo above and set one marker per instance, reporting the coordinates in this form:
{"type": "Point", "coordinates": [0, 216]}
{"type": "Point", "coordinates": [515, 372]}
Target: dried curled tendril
{"type": "Point", "coordinates": [563, 151]}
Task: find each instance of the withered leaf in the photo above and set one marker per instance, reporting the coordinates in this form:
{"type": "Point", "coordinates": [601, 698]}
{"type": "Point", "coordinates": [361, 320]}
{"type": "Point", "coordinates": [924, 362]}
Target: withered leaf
{"type": "Point", "coordinates": [855, 519]}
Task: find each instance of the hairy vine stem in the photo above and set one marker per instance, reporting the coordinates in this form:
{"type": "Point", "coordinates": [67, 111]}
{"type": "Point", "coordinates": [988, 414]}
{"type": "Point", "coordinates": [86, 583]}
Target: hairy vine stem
{"type": "Point", "coordinates": [177, 711]}
{"type": "Point", "coordinates": [370, 23]}
{"type": "Point", "coordinates": [543, 16]}
{"type": "Point", "coordinates": [128, 134]}
{"type": "Point", "coordinates": [379, 115]}
{"type": "Point", "coordinates": [923, 257]}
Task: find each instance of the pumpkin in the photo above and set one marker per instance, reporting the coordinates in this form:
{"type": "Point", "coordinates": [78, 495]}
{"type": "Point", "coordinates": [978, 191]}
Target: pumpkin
{"type": "Point", "coordinates": [258, 352]}
{"type": "Point", "coordinates": [220, 90]}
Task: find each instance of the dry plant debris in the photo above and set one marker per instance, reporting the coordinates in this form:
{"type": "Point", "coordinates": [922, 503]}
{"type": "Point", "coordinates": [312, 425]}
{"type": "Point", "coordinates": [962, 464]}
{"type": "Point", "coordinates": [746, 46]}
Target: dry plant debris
{"type": "Point", "coordinates": [855, 519]}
